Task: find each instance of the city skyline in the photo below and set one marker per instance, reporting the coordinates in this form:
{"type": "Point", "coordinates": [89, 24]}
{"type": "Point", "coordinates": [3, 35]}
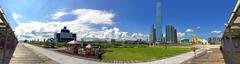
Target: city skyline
{"type": "Point", "coordinates": [115, 22]}
{"type": "Point", "coordinates": [119, 31]}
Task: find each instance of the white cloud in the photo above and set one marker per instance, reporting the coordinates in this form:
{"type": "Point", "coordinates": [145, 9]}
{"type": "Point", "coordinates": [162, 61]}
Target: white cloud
{"type": "Point", "coordinates": [225, 24]}
{"type": "Point", "coordinates": [16, 16]}
{"type": "Point", "coordinates": [58, 14]}
{"type": "Point", "coordinates": [180, 34]}
{"type": "Point", "coordinates": [93, 16]}
{"type": "Point", "coordinates": [107, 33]}
{"type": "Point", "coordinates": [40, 30]}
{"type": "Point", "coordinates": [216, 32]}
{"type": "Point", "coordinates": [82, 26]}
{"type": "Point", "coordinates": [164, 34]}
{"type": "Point", "coordinates": [104, 28]}
{"type": "Point", "coordinates": [189, 30]}
{"type": "Point", "coordinates": [136, 36]}
{"type": "Point", "coordinates": [114, 33]}
{"type": "Point", "coordinates": [198, 27]}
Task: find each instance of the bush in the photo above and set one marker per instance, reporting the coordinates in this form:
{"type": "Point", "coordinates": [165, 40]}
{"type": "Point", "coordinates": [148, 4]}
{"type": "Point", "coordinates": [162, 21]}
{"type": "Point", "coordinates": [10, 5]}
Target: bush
{"type": "Point", "coordinates": [60, 44]}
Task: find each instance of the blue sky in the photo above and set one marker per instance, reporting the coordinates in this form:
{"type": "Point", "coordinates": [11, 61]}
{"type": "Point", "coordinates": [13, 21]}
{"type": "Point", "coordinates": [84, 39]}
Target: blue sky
{"type": "Point", "coordinates": [132, 16]}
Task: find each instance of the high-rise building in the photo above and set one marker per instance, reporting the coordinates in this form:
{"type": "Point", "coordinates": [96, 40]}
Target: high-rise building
{"type": "Point", "coordinates": [171, 34]}
{"type": "Point", "coordinates": [152, 35]}
{"type": "Point", "coordinates": [158, 23]}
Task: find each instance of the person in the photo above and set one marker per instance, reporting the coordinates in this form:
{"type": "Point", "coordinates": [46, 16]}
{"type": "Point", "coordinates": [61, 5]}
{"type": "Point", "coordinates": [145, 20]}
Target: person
{"type": "Point", "coordinates": [221, 48]}
{"type": "Point", "coordinates": [194, 50]}
{"type": "Point", "coordinates": [100, 53]}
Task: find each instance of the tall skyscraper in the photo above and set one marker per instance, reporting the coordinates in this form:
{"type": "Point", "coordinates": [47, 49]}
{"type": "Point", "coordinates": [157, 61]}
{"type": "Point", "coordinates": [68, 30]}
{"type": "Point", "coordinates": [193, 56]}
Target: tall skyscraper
{"type": "Point", "coordinates": [171, 34]}
{"type": "Point", "coordinates": [158, 23]}
{"type": "Point", "coordinates": [152, 34]}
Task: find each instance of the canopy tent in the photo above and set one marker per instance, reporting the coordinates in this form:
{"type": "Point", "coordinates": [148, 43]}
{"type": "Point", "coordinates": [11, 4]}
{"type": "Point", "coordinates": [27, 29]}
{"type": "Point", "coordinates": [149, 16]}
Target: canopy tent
{"type": "Point", "coordinates": [73, 42]}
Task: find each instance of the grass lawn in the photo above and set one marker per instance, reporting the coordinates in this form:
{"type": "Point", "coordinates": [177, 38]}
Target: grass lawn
{"type": "Point", "coordinates": [141, 54]}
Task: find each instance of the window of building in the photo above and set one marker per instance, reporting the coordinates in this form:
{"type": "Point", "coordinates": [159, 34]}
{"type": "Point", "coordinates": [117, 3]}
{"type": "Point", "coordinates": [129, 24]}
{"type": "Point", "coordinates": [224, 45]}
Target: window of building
{"type": "Point", "coordinates": [1, 44]}
{"type": "Point", "coordinates": [236, 43]}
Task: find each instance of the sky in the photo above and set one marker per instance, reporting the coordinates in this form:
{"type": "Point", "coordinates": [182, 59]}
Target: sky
{"type": "Point", "coordinates": [119, 19]}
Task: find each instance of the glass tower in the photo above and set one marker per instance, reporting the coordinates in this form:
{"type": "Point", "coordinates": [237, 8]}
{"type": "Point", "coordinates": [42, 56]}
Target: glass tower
{"type": "Point", "coordinates": [158, 23]}
{"type": "Point", "coordinates": [171, 34]}
{"type": "Point", "coordinates": [152, 34]}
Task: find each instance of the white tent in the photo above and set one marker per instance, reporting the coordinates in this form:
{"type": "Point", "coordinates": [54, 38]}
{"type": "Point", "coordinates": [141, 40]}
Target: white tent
{"type": "Point", "coordinates": [73, 42]}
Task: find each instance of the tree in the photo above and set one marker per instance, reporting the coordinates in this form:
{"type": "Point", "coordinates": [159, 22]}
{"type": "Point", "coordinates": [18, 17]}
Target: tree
{"type": "Point", "coordinates": [25, 41]}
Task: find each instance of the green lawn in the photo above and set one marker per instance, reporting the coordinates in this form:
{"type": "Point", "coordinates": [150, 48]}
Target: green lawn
{"type": "Point", "coordinates": [141, 54]}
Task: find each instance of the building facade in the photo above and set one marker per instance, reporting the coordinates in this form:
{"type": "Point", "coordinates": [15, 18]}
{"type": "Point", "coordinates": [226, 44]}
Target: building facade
{"type": "Point", "coordinates": [214, 40]}
{"type": "Point", "coordinates": [152, 35]}
{"type": "Point", "coordinates": [184, 40]}
{"type": "Point", "coordinates": [158, 23]}
{"type": "Point", "coordinates": [171, 34]}
{"type": "Point", "coordinates": [64, 36]}
{"type": "Point", "coordinates": [231, 37]}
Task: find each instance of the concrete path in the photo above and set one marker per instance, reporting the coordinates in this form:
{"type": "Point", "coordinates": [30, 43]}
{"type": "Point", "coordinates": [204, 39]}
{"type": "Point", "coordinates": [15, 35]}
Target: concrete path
{"type": "Point", "coordinates": [60, 58]}
{"type": "Point", "coordinates": [176, 59]}
{"type": "Point", "coordinates": [65, 59]}
{"type": "Point", "coordinates": [23, 55]}
{"type": "Point", "coordinates": [212, 56]}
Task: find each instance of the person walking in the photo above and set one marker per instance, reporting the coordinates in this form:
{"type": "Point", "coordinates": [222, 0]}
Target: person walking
{"type": "Point", "coordinates": [100, 52]}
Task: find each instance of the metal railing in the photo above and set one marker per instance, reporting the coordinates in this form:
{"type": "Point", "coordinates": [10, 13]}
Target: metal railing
{"type": "Point", "coordinates": [8, 40]}
{"type": "Point", "coordinates": [231, 37]}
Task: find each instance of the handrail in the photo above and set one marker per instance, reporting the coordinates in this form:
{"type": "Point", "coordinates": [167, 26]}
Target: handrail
{"type": "Point", "coordinates": [5, 21]}
{"type": "Point", "coordinates": [232, 18]}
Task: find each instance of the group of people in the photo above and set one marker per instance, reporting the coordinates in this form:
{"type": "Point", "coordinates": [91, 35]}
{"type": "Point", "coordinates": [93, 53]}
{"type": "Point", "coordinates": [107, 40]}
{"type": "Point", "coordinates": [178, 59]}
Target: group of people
{"type": "Point", "coordinates": [86, 50]}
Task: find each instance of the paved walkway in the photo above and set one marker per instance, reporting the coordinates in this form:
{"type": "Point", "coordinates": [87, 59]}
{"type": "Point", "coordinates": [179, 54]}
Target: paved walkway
{"type": "Point", "coordinates": [176, 59]}
{"type": "Point", "coordinates": [23, 55]}
{"type": "Point", "coordinates": [65, 59]}
{"type": "Point", "coordinates": [212, 56]}
{"type": "Point", "coordinates": [60, 58]}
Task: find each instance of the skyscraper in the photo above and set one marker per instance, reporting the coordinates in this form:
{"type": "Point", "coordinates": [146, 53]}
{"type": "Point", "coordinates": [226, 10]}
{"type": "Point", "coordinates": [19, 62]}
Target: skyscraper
{"type": "Point", "coordinates": [171, 34]}
{"type": "Point", "coordinates": [152, 34]}
{"type": "Point", "coordinates": [158, 23]}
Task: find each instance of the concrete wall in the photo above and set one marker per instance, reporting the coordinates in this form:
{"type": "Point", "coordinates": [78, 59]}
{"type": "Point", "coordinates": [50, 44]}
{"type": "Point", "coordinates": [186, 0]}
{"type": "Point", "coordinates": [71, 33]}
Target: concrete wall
{"type": "Point", "coordinates": [231, 44]}
{"type": "Point", "coordinates": [231, 50]}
